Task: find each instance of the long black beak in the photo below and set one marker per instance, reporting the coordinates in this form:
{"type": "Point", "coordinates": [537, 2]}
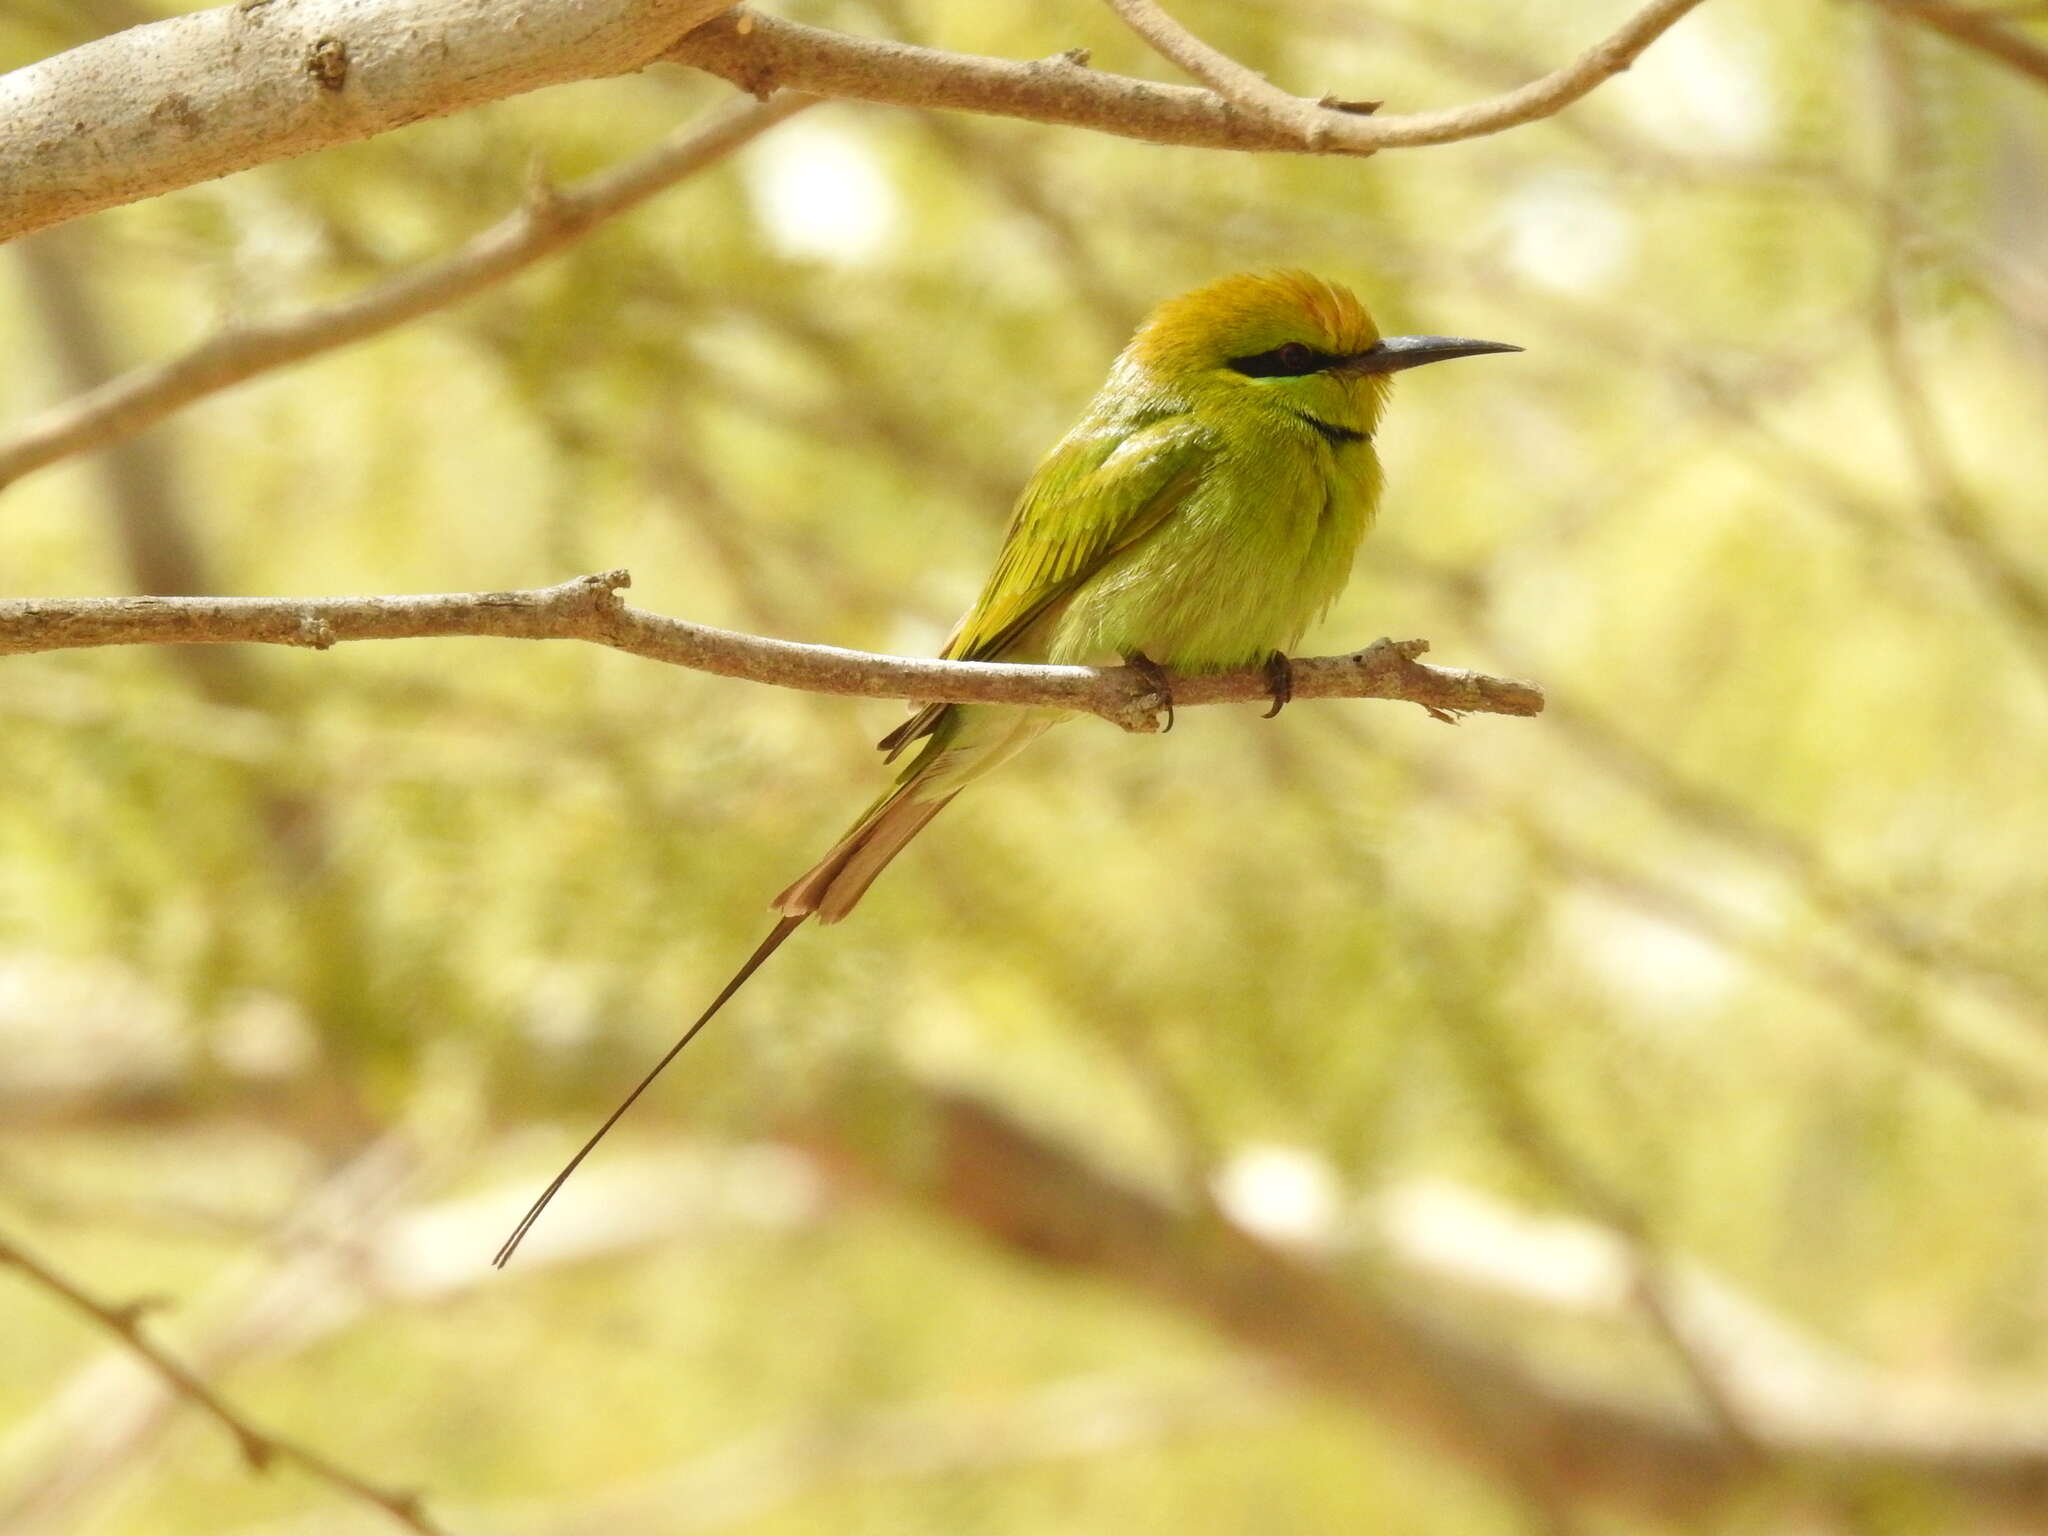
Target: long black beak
{"type": "Point", "coordinates": [1393, 353]}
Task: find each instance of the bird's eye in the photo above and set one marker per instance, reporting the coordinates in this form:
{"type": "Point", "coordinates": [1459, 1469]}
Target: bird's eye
{"type": "Point", "coordinates": [1290, 360]}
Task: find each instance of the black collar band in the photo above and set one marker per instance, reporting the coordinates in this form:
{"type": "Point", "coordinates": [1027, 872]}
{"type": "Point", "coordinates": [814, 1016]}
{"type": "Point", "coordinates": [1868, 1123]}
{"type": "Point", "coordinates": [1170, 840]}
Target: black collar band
{"type": "Point", "coordinates": [1332, 434]}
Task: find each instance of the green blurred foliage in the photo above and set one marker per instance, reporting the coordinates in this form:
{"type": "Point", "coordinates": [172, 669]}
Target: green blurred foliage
{"type": "Point", "coordinates": [1753, 920]}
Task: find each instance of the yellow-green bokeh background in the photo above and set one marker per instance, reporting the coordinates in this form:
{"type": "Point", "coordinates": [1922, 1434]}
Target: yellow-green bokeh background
{"type": "Point", "coordinates": [1754, 922]}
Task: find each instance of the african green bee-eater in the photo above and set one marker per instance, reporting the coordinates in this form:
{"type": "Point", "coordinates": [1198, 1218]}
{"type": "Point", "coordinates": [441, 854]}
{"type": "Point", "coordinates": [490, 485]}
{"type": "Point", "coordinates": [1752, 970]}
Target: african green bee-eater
{"type": "Point", "coordinates": [1199, 517]}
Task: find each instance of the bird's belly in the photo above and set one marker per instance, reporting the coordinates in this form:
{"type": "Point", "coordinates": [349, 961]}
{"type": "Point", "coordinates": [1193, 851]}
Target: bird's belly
{"type": "Point", "coordinates": [1218, 588]}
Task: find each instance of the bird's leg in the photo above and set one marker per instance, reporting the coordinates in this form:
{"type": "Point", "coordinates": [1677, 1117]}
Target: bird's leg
{"type": "Point", "coordinates": [1155, 679]}
{"type": "Point", "coordinates": [1280, 679]}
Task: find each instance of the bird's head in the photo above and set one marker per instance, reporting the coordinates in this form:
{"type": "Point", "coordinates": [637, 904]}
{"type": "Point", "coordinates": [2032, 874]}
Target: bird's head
{"type": "Point", "coordinates": [1287, 340]}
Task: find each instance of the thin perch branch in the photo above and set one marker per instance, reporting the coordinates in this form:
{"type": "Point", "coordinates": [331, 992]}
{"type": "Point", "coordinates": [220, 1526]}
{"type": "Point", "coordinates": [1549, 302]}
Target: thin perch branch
{"type": "Point", "coordinates": [550, 219]}
{"type": "Point", "coordinates": [259, 1448]}
{"type": "Point", "coordinates": [588, 608]}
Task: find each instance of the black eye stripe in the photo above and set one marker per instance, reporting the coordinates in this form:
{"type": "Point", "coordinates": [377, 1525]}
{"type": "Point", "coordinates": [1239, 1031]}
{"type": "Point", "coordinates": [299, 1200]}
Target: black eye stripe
{"type": "Point", "coordinates": [1289, 361]}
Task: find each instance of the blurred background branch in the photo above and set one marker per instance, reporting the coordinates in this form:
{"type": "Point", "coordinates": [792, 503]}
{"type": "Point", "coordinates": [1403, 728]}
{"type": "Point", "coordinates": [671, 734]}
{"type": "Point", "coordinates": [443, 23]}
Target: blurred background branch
{"type": "Point", "coordinates": [549, 218]}
{"type": "Point", "coordinates": [1563, 1440]}
{"type": "Point", "coordinates": [1987, 28]}
{"type": "Point", "coordinates": [260, 1448]}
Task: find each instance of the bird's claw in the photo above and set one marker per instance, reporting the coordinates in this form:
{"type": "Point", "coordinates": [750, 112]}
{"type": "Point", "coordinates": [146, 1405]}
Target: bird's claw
{"type": "Point", "coordinates": [1155, 683]}
{"type": "Point", "coordinates": [1279, 679]}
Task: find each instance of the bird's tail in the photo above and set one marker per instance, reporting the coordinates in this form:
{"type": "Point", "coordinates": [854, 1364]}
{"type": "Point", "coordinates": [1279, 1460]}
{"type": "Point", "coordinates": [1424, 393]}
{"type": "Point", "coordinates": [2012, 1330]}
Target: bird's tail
{"type": "Point", "coordinates": [961, 745]}
{"type": "Point", "coordinates": [832, 887]}
{"type": "Point", "coordinates": [755, 961]}
{"type": "Point", "coordinates": [828, 890]}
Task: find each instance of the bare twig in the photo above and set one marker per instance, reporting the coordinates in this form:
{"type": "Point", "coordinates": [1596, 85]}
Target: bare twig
{"type": "Point", "coordinates": [549, 220]}
{"type": "Point", "coordinates": [588, 608]}
{"type": "Point", "coordinates": [260, 1448]}
{"type": "Point", "coordinates": [1243, 88]}
{"type": "Point", "coordinates": [356, 1248]}
{"type": "Point", "coordinates": [763, 53]}
{"type": "Point", "coordinates": [1980, 27]}
{"type": "Point", "coordinates": [112, 1408]}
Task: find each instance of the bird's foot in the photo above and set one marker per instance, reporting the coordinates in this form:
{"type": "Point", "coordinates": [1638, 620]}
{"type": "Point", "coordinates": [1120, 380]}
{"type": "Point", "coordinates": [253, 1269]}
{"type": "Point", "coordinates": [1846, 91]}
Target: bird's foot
{"type": "Point", "coordinates": [1280, 679]}
{"type": "Point", "coordinates": [1155, 681]}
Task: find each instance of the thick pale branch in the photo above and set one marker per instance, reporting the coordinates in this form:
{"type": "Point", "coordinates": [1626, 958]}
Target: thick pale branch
{"type": "Point", "coordinates": [589, 609]}
{"type": "Point", "coordinates": [763, 53]}
{"type": "Point", "coordinates": [550, 219]}
{"type": "Point", "coordinates": [185, 100]}
{"type": "Point", "coordinates": [195, 97]}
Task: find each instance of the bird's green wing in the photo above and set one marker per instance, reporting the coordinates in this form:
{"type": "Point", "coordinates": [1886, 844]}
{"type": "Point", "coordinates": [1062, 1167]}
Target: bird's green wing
{"type": "Point", "coordinates": [1096, 495]}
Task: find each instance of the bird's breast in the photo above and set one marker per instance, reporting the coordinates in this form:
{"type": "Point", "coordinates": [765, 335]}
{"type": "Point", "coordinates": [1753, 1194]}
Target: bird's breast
{"type": "Point", "coordinates": [1260, 548]}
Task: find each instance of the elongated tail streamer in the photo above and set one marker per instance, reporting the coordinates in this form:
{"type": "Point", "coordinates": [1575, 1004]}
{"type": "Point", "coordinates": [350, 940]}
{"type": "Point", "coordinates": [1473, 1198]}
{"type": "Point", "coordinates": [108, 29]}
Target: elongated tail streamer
{"type": "Point", "coordinates": [782, 930]}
